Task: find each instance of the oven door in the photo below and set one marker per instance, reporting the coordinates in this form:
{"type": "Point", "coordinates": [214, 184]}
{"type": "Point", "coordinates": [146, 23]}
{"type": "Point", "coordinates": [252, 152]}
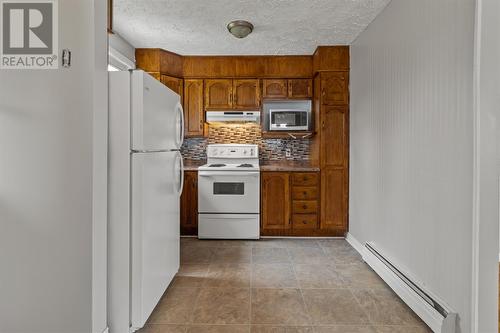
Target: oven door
{"type": "Point", "coordinates": [228, 192]}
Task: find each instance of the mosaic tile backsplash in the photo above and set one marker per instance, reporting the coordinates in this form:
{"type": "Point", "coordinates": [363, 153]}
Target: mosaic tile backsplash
{"type": "Point", "coordinates": [269, 149]}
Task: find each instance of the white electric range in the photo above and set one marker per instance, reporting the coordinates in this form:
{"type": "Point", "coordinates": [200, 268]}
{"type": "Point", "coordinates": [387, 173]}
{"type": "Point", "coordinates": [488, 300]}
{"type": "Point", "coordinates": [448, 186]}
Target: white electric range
{"type": "Point", "coordinates": [229, 192]}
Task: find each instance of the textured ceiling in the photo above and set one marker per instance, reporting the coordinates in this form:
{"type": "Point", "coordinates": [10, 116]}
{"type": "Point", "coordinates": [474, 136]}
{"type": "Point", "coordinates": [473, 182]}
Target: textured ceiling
{"type": "Point", "coordinates": [198, 27]}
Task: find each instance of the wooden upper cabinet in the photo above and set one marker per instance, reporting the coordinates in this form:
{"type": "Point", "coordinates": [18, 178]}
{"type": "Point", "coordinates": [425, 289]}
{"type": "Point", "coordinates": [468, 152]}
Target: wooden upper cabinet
{"type": "Point", "coordinates": [193, 108]}
{"type": "Point", "coordinates": [287, 88]}
{"type": "Point", "coordinates": [218, 94]}
{"type": "Point", "coordinates": [275, 88]}
{"type": "Point", "coordinates": [246, 94]}
{"type": "Point", "coordinates": [299, 88]}
{"type": "Point", "coordinates": [275, 196]}
{"type": "Point", "coordinates": [334, 143]}
{"type": "Point", "coordinates": [335, 88]}
{"type": "Point", "coordinates": [173, 83]}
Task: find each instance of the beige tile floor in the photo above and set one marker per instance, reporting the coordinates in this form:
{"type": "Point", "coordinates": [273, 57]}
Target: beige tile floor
{"type": "Point", "coordinates": [278, 286]}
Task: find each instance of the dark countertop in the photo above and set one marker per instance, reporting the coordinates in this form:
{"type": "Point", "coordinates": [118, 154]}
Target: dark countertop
{"type": "Point", "coordinates": [285, 165]}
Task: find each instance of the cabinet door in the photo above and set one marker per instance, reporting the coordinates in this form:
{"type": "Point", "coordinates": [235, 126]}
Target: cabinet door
{"type": "Point", "coordinates": [246, 94]}
{"type": "Point", "coordinates": [334, 127]}
{"type": "Point", "coordinates": [275, 88]}
{"type": "Point", "coordinates": [218, 94]}
{"type": "Point", "coordinates": [333, 199]}
{"type": "Point", "coordinates": [193, 107]}
{"type": "Point", "coordinates": [174, 83]}
{"type": "Point", "coordinates": [299, 88]}
{"type": "Point", "coordinates": [189, 204]}
{"type": "Point", "coordinates": [335, 88]}
{"type": "Point", "coordinates": [275, 200]}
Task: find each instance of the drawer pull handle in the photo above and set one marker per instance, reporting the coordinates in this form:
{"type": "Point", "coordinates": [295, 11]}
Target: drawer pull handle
{"type": "Point", "coordinates": [305, 222]}
{"type": "Point", "coordinates": [304, 206]}
{"type": "Point", "coordinates": [305, 193]}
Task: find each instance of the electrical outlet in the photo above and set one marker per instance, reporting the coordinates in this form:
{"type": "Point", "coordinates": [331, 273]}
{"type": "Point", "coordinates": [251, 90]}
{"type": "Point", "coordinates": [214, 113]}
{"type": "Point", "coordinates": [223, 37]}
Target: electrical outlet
{"type": "Point", "coordinates": [288, 152]}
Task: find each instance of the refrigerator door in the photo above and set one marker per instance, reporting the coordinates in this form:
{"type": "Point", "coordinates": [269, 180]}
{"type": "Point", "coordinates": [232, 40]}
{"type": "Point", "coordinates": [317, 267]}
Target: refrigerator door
{"type": "Point", "coordinates": [157, 116]}
{"type": "Point", "coordinates": [154, 229]}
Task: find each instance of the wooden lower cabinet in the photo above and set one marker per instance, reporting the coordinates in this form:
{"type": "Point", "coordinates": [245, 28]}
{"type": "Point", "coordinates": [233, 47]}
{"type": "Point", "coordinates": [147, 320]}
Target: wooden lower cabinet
{"type": "Point", "coordinates": [275, 201]}
{"type": "Point", "coordinates": [334, 200]}
{"type": "Point", "coordinates": [189, 204]}
{"type": "Point", "coordinates": [290, 204]}
{"type": "Point", "coordinates": [304, 221]}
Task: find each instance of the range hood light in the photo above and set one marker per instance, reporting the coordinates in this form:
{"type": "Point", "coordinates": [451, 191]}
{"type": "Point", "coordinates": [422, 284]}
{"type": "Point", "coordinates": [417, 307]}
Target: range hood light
{"type": "Point", "coordinates": [233, 116]}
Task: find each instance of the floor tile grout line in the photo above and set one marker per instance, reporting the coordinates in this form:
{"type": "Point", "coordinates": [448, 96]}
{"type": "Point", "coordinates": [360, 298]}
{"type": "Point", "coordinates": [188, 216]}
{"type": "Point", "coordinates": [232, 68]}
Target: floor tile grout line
{"type": "Point", "coordinates": [250, 291]}
{"type": "Point", "coordinates": [311, 321]}
{"type": "Point", "coordinates": [361, 306]}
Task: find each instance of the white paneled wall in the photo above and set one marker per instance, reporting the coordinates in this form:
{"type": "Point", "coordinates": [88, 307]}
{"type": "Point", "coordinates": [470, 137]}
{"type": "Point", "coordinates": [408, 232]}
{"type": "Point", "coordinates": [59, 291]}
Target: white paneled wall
{"type": "Point", "coordinates": [412, 142]}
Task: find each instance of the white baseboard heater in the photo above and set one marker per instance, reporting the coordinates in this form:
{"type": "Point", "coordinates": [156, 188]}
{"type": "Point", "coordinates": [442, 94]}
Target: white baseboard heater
{"type": "Point", "coordinates": [432, 311]}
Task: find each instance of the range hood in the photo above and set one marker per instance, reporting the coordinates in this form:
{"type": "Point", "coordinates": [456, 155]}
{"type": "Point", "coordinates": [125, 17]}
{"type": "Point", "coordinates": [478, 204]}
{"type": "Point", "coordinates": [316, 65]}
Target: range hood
{"type": "Point", "coordinates": [233, 116]}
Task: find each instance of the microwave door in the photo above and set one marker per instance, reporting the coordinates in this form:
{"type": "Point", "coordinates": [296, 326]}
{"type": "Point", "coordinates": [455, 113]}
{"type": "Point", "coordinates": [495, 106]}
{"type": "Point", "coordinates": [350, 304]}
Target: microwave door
{"type": "Point", "coordinates": [288, 120]}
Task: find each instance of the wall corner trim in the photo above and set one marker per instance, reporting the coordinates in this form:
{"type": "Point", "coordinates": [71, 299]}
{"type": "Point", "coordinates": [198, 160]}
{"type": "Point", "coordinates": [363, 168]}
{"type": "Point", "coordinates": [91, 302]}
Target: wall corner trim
{"type": "Point", "coordinates": [354, 243]}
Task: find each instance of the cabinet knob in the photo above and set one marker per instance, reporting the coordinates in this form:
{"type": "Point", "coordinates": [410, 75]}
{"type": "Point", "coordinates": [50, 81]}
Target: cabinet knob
{"type": "Point", "coordinates": [304, 206]}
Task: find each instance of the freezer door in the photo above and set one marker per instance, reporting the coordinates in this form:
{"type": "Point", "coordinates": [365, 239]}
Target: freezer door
{"type": "Point", "coordinates": [154, 230]}
{"type": "Point", "coordinates": [157, 118]}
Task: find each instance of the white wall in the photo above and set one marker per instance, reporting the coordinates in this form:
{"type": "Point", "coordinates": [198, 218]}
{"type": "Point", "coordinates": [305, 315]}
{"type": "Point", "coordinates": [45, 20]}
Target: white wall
{"type": "Point", "coordinates": [52, 178]}
{"type": "Point", "coordinates": [100, 168]}
{"type": "Point", "coordinates": [487, 111]}
{"type": "Point", "coordinates": [411, 189]}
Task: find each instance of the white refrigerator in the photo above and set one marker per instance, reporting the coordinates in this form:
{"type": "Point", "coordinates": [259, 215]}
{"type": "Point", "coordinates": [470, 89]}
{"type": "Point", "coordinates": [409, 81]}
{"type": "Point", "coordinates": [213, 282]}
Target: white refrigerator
{"type": "Point", "coordinates": [145, 179]}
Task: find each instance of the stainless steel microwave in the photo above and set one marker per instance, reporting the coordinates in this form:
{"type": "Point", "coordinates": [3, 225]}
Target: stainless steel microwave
{"type": "Point", "coordinates": [289, 119]}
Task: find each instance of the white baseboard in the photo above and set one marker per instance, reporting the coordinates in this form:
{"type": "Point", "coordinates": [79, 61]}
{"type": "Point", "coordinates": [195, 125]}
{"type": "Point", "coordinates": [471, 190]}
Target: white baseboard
{"type": "Point", "coordinates": [355, 243]}
{"type": "Point", "coordinates": [434, 319]}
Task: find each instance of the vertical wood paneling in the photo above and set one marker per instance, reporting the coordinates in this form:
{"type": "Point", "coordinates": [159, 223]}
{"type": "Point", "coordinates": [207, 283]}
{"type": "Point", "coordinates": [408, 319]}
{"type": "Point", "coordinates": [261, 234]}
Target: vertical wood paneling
{"type": "Point", "coordinates": [411, 142]}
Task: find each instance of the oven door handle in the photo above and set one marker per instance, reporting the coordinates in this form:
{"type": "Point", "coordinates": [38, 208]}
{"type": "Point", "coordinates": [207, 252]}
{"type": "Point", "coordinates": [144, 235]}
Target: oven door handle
{"type": "Point", "coordinates": [233, 174]}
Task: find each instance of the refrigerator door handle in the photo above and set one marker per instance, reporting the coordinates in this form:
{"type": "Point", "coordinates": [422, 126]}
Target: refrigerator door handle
{"type": "Point", "coordinates": [180, 163]}
{"type": "Point", "coordinates": [180, 122]}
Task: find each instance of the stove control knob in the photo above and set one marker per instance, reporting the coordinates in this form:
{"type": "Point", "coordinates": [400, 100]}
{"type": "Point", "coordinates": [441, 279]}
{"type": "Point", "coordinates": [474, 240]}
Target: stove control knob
{"type": "Point", "coordinates": [214, 152]}
{"type": "Point", "coordinates": [245, 152]}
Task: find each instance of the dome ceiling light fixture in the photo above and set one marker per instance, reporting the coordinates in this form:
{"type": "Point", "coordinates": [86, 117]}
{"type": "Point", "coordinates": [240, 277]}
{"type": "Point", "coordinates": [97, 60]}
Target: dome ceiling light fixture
{"type": "Point", "coordinates": [239, 28]}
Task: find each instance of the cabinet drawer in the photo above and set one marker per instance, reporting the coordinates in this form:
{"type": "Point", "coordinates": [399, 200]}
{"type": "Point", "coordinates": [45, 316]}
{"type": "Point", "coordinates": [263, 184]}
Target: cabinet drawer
{"type": "Point", "coordinates": [305, 179]}
{"type": "Point", "coordinates": [304, 193]}
{"type": "Point", "coordinates": [304, 207]}
{"type": "Point", "coordinates": [304, 221]}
